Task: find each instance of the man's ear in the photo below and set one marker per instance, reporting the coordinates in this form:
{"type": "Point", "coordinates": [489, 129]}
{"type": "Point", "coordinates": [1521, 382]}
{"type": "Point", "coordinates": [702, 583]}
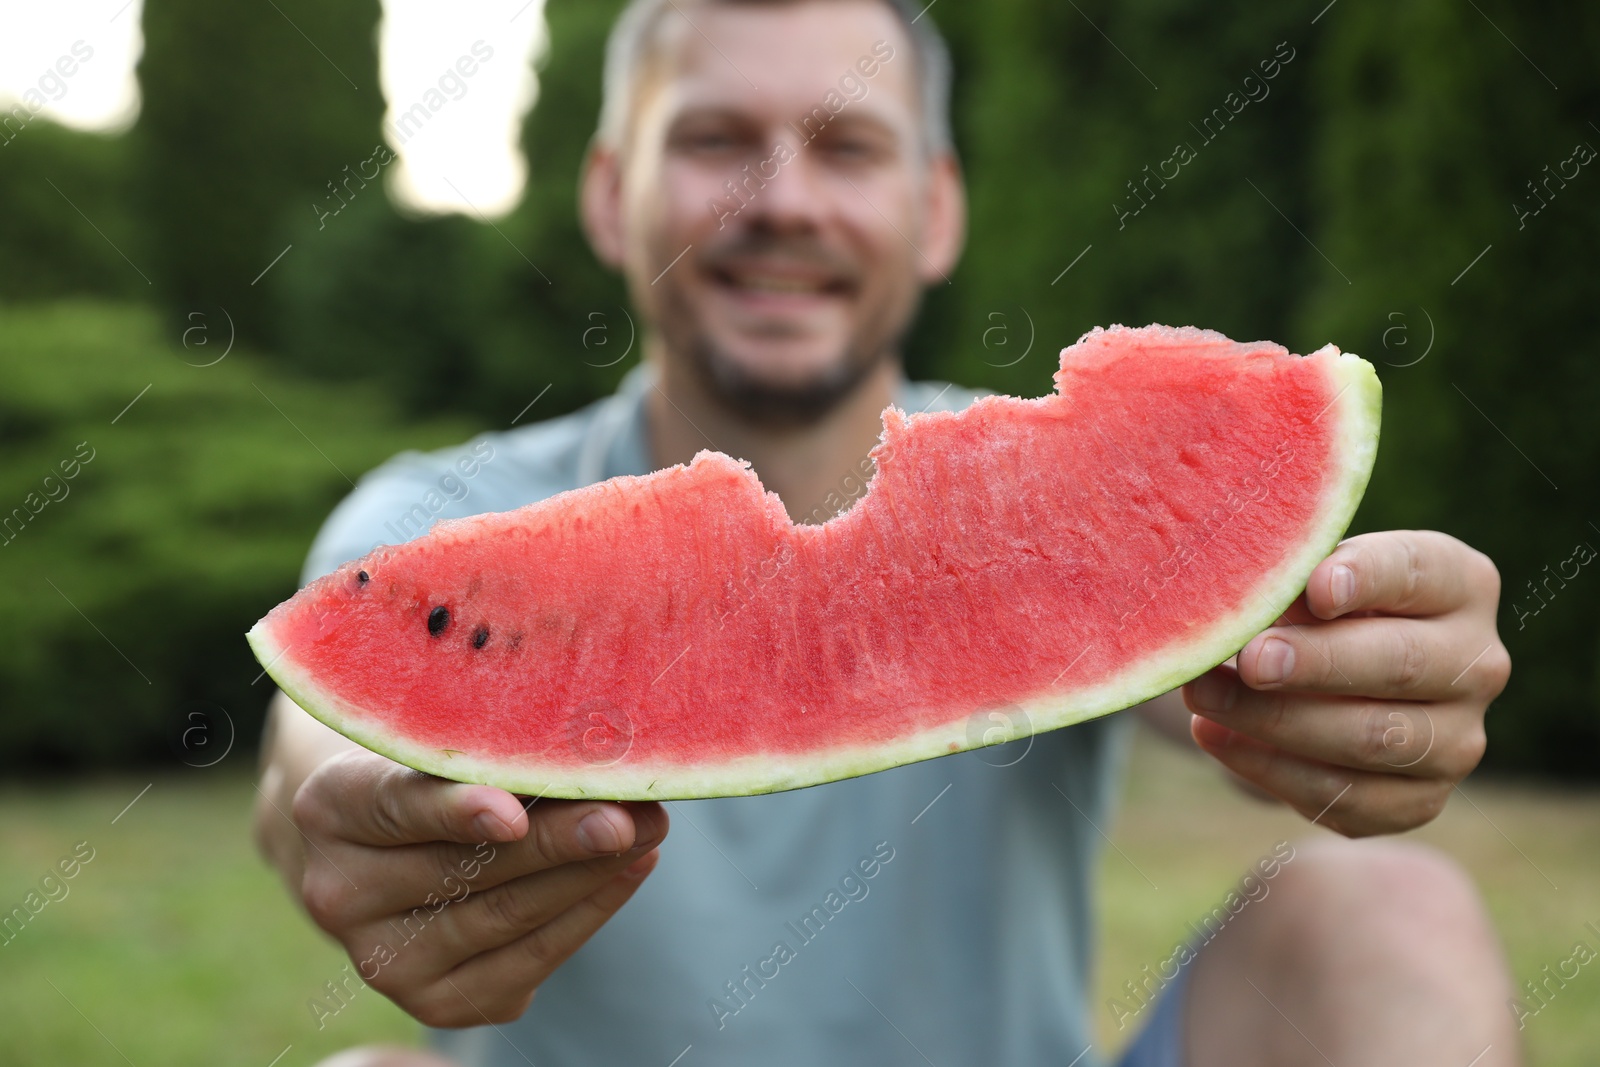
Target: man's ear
{"type": "Point", "coordinates": [944, 228]}
{"type": "Point", "coordinates": [600, 204]}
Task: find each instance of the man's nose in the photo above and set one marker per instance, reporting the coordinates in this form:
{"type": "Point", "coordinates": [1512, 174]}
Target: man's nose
{"type": "Point", "coordinates": [786, 196]}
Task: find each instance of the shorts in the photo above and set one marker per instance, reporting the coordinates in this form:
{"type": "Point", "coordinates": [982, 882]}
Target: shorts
{"type": "Point", "coordinates": [1161, 1042]}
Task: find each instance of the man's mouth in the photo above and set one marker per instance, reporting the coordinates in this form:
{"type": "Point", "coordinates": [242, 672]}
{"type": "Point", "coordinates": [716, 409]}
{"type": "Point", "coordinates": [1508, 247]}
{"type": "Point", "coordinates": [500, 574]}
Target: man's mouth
{"type": "Point", "coordinates": [759, 280]}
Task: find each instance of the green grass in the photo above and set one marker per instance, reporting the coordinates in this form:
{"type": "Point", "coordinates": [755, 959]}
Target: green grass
{"type": "Point", "coordinates": [180, 947]}
{"type": "Point", "coordinates": [176, 943]}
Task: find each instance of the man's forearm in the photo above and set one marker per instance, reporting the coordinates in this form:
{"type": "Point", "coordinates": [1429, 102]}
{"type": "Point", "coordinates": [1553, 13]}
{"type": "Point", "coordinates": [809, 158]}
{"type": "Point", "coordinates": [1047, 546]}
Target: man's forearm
{"type": "Point", "coordinates": [1168, 716]}
{"type": "Point", "coordinates": [293, 745]}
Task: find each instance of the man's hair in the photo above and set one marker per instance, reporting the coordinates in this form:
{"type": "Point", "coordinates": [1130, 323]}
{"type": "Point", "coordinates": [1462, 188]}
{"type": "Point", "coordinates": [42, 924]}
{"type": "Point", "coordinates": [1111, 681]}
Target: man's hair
{"type": "Point", "coordinates": [634, 34]}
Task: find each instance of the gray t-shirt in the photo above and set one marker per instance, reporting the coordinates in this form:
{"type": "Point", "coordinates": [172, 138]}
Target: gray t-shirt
{"type": "Point", "coordinates": [939, 912]}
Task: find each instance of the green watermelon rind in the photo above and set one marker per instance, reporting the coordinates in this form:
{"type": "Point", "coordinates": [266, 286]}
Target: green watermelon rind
{"type": "Point", "coordinates": [1357, 405]}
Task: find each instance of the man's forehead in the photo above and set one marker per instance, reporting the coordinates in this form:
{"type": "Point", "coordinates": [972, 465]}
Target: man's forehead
{"type": "Point", "coordinates": [788, 56]}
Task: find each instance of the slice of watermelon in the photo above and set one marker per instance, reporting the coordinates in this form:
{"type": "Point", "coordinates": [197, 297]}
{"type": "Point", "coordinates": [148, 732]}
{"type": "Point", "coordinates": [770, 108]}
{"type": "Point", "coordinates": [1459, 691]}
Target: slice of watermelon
{"type": "Point", "coordinates": [1015, 567]}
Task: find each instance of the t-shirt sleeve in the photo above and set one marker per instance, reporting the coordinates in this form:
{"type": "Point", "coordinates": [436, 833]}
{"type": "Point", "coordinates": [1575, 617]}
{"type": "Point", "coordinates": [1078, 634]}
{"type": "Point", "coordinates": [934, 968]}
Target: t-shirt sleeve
{"type": "Point", "coordinates": [404, 497]}
{"type": "Point", "coordinates": [376, 513]}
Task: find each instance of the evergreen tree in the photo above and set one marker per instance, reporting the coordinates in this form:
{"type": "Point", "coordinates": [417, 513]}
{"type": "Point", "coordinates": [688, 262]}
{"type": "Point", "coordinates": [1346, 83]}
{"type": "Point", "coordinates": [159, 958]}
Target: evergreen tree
{"type": "Point", "coordinates": [1436, 133]}
{"type": "Point", "coordinates": [250, 111]}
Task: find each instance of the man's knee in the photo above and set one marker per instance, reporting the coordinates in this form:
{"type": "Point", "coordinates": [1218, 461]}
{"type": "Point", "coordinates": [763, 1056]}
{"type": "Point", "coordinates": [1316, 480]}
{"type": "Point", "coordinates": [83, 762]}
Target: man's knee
{"type": "Point", "coordinates": [385, 1056]}
{"type": "Point", "coordinates": [1376, 897]}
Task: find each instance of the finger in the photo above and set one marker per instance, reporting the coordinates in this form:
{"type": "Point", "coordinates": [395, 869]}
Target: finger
{"type": "Point", "coordinates": [1387, 657]}
{"type": "Point", "coordinates": [396, 880]}
{"type": "Point", "coordinates": [1402, 572]}
{"type": "Point", "coordinates": [1296, 613]}
{"type": "Point", "coordinates": [573, 831]}
{"type": "Point", "coordinates": [496, 986]}
{"type": "Point", "coordinates": [1351, 802]}
{"type": "Point", "coordinates": [362, 797]}
{"type": "Point", "coordinates": [1399, 737]}
{"type": "Point", "coordinates": [487, 920]}
{"type": "Point", "coordinates": [486, 916]}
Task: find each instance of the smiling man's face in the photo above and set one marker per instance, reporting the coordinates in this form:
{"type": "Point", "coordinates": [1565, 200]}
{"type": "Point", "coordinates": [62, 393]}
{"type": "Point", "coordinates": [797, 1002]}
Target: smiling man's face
{"type": "Point", "coordinates": [782, 293]}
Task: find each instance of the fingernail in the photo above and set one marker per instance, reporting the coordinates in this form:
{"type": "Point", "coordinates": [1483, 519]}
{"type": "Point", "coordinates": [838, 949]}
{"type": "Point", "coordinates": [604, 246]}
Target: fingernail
{"type": "Point", "coordinates": [1274, 661]}
{"type": "Point", "coordinates": [490, 827]}
{"type": "Point", "coordinates": [597, 834]}
{"type": "Point", "coordinates": [1343, 587]}
{"type": "Point", "coordinates": [1213, 692]}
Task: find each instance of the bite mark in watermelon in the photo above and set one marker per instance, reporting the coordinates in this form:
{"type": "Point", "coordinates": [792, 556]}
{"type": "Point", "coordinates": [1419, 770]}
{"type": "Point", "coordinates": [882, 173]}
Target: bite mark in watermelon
{"type": "Point", "coordinates": [676, 635]}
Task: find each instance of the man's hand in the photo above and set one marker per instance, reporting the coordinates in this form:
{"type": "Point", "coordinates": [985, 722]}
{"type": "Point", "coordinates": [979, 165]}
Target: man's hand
{"type": "Point", "coordinates": [1364, 704]}
{"type": "Point", "coordinates": [452, 900]}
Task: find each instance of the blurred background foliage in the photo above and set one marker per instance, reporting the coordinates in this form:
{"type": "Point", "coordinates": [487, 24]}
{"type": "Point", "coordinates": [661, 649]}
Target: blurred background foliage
{"type": "Point", "coordinates": [1347, 204]}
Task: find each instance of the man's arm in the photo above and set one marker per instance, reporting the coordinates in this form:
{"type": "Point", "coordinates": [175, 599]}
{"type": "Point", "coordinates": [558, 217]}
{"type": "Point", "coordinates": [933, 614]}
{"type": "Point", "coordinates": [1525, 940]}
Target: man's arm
{"type": "Point", "coordinates": [1169, 716]}
{"type": "Point", "coordinates": [491, 896]}
{"type": "Point", "coordinates": [293, 746]}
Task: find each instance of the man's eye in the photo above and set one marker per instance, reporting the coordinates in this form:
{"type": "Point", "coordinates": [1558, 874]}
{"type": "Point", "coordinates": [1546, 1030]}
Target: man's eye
{"type": "Point", "coordinates": [849, 149]}
{"type": "Point", "coordinates": [708, 142]}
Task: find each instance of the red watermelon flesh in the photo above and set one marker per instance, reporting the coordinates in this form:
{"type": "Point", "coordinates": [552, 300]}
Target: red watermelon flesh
{"type": "Point", "coordinates": [1014, 567]}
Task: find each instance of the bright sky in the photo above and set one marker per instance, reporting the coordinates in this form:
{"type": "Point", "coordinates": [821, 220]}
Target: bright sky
{"type": "Point", "coordinates": [100, 93]}
{"type": "Point", "coordinates": [460, 149]}
{"type": "Point", "coordinates": [464, 155]}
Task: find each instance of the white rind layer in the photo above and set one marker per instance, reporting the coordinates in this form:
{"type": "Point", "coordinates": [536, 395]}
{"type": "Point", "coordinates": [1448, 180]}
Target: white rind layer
{"type": "Point", "coordinates": [1356, 407]}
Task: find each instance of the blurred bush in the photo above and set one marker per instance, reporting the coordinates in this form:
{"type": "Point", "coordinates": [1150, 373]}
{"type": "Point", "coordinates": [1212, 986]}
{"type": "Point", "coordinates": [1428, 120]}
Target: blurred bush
{"type": "Point", "coordinates": [1342, 198]}
{"type": "Point", "coordinates": [66, 214]}
{"type": "Point", "coordinates": [126, 587]}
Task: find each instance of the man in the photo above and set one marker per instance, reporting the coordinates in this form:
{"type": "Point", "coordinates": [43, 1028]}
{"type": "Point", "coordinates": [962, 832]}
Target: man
{"type": "Point", "coordinates": [775, 181]}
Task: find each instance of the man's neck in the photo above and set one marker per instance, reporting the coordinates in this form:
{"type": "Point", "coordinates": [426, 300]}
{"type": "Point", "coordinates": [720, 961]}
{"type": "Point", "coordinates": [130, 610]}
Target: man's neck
{"type": "Point", "coordinates": [804, 465]}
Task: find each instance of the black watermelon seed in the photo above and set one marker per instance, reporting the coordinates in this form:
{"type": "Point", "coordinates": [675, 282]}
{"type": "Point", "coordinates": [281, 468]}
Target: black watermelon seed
{"type": "Point", "coordinates": [480, 637]}
{"type": "Point", "coordinates": [363, 577]}
{"type": "Point", "coordinates": [438, 619]}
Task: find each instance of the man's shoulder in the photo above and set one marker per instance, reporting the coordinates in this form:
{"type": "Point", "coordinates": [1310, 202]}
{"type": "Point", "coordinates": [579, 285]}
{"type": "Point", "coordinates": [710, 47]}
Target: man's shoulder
{"type": "Point", "coordinates": [915, 397]}
{"type": "Point", "coordinates": [493, 471]}
{"type": "Point", "coordinates": [501, 470]}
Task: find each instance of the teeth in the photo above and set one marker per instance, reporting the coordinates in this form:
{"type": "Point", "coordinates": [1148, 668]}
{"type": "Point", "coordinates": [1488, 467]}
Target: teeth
{"type": "Point", "coordinates": [768, 283]}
